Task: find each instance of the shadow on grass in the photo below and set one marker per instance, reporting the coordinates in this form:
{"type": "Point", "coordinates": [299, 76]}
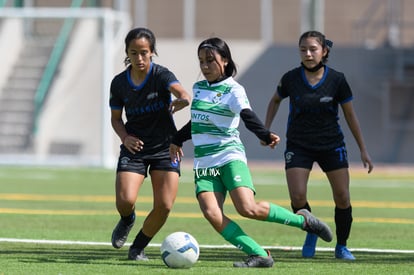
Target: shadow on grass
{"type": "Point", "coordinates": [32, 253]}
{"type": "Point", "coordinates": [320, 257]}
{"type": "Point", "coordinates": [77, 255]}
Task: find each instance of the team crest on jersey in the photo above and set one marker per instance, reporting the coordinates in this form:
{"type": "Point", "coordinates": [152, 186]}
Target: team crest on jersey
{"type": "Point", "coordinates": [217, 98]}
{"type": "Point", "coordinates": [152, 95]}
{"type": "Point", "coordinates": [325, 99]}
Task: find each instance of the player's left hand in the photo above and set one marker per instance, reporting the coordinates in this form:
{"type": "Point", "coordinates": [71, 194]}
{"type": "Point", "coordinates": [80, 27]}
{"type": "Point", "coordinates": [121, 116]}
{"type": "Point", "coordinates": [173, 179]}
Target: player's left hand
{"type": "Point", "coordinates": [176, 153]}
{"type": "Point", "coordinates": [275, 140]}
{"type": "Point", "coordinates": [178, 104]}
{"type": "Point", "coordinates": [366, 161]}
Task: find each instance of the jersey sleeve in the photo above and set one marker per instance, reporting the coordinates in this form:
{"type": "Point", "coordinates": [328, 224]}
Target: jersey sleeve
{"type": "Point", "coordinates": [115, 99]}
{"type": "Point", "coordinates": [281, 91]}
{"type": "Point", "coordinates": [182, 135]}
{"type": "Point", "coordinates": [344, 93]}
{"type": "Point", "coordinates": [240, 100]}
{"type": "Point", "coordinates": [254, 124]}
{"type": "Point", "coordinates": [167, 77]}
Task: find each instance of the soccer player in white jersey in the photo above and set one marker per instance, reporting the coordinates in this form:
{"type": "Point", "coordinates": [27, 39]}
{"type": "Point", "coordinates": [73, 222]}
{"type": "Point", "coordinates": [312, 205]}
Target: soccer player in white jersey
{"type": "Point", "coordinates": [220, 164]}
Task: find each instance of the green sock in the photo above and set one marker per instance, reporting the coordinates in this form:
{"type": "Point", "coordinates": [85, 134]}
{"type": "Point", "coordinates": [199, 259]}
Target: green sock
{"type": "Point", "coordinates": [235, 235]}
{"type": "Point", "coordinates": [281, 215]}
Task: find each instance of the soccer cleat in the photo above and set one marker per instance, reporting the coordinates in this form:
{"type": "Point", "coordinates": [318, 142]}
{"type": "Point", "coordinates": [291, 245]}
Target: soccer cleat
{"type": "Point", "coordinates": [341, 252]}
{"type": "Point", "coordinates": [315, 226]}
{"type": "Point", "coordinates": [308, 249]}
{"type": "Point", "coordinates": [120, 234]}
{"type": "Point", "coordinates": [137, 254]}
{"type": "Point", "coordinates": [256, 261]}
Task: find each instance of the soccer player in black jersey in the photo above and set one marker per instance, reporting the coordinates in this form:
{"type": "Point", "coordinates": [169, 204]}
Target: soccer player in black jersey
{"type": "Point", "coordinates": [315, 92]}
{"type": "Point", "coordinates": [144, 91]}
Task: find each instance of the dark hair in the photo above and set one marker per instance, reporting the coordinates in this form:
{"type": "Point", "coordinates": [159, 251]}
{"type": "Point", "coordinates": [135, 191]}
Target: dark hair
{"type": "Point", "coordinates": [221, 47]}
{"type": "Point", "coordinates": [138, 33]}
{"type": "Point", "coordinates": [320, 37]}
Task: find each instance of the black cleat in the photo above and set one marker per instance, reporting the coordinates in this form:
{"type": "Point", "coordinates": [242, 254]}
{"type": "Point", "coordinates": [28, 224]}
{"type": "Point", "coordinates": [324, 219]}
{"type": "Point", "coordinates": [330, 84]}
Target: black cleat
{"type": "Point", "coordinates": [256, 261]}
{"type": "Point", "coordinates": [315, 226]}
{"type": "Point", "coordinates": [137, 254]}
{"type": "Point", "coordinates": [120, 234]}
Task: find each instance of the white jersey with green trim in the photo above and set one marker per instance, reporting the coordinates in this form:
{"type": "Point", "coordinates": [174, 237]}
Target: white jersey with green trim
{"type": "Point", "coordinates": [215, 117]}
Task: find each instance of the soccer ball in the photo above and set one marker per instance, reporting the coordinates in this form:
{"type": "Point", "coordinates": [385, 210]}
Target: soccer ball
{"type": "Point", "coordinates": [180, 250]}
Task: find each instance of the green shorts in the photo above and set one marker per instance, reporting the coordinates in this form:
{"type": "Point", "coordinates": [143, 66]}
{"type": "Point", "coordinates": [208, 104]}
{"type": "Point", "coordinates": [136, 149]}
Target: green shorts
{"type": "Point", "coordinates": [224, 178]}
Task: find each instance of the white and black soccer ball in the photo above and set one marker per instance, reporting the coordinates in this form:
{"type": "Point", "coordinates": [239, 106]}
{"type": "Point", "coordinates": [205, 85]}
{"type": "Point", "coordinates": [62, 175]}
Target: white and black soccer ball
{"type": "Point", "coordinates": [180, 250]}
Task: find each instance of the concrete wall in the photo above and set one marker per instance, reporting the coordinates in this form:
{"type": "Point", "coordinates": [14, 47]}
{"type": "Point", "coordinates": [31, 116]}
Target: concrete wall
{"type": "Point", "coordinates": [349, 23]}
{"type": "Point", "coordinates": [73, 89]}
{"type": "Point", "coordinates": [71, 121]}
{"type": "Point", "coordinates": [11, 37]}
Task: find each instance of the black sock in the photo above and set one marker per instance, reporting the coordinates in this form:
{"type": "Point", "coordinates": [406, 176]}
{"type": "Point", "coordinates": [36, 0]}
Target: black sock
{"type": "Point", "coordinates": [306, 206]}
{"type": "Point", "coordinates": [141, 240]}
{"type": "Point", "coordinates": [343, 222]}
{"type": "Point", "coordinates": [129, 219]}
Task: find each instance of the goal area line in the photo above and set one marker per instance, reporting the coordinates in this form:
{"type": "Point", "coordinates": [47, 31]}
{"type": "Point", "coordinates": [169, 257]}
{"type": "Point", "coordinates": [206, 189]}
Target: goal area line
{"type": "Point", "coordinates": [283, 248]}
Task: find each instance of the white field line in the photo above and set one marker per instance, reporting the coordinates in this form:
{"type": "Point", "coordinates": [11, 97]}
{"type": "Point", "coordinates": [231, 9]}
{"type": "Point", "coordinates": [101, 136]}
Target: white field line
{"type": "Point", "coordinates": [285, 248]}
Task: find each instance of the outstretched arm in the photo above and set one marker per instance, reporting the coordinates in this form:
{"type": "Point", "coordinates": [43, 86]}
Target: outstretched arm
{"type": "Point", "coordinates": [272, 109]}
{"type": "Point", "coordinates": [254, 124]}
{"type": "Point", "coordinates": [182, 97]}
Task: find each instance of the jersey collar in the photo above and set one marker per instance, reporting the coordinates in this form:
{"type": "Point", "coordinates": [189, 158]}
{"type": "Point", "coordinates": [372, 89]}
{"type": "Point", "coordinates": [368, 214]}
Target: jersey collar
{"type": "Point", "coordinates": [131, 83]}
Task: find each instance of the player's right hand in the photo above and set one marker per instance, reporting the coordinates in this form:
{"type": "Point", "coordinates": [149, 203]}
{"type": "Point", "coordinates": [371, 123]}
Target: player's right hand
{"type": "Point", "coordinates": [133, 144]}
{"type": "Point", "coordinates": [275, 141]}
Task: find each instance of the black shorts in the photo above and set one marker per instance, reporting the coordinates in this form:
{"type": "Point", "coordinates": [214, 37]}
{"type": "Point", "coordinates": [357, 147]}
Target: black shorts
{"type": "Point", "coordinates": [298, 157]}
{"type": "Point", "coordinates": [142, 163]}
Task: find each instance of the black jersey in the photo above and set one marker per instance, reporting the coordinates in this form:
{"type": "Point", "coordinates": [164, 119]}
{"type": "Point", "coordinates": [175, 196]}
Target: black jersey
{"type": "Point", "coordinates": [146, 106]}
{"type": "Point", "coordinates": [313, 116]}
